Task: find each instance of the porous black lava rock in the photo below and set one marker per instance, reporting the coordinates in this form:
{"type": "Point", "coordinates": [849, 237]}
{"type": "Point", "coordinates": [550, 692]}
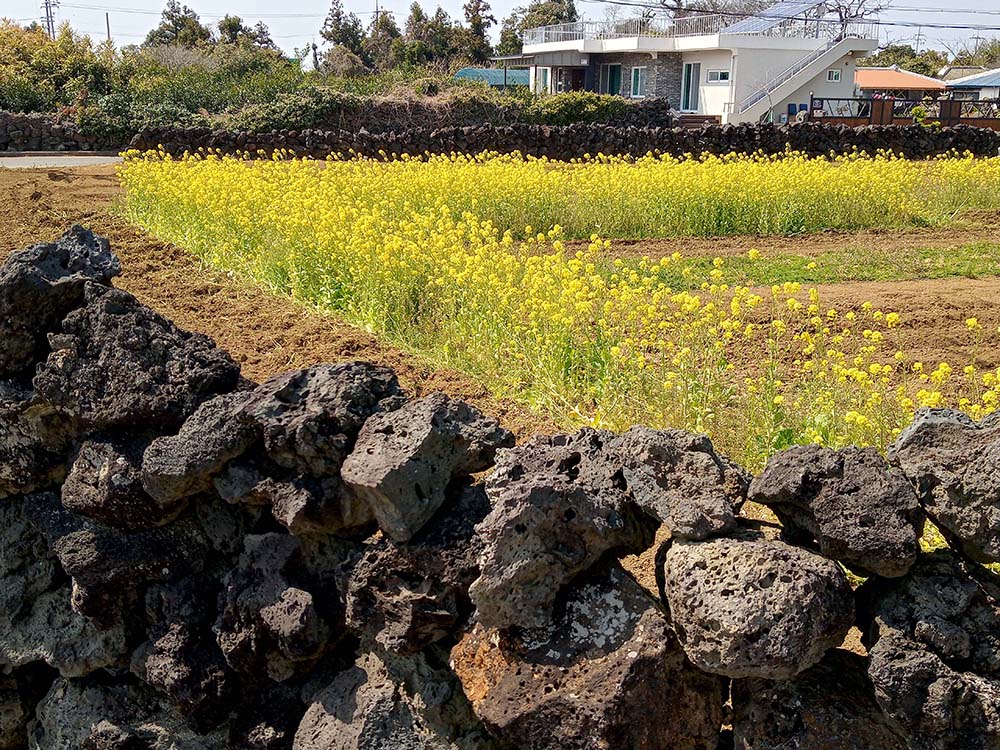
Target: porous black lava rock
{"type": "Point", "coordinates": [308, 422]}
{"type": "Point", "coordinates": [37, 623]}
{"type": "Point", "coordinates": [954, 463]}
{"type": "Point", "coordinates": [405, 596]}
{"type": "Point", "coordinates": [830, 706]}
{"type": "Point", "coordinates": [389, 701]}
{"type": "Point", "coordinates": [178, 466]}
{"type": "Point", "coordinates": [105, 484]}
{"type": "Point", "coordinates": [607, 673]}
{"type": "Point", "coordinates": [39, 286]}
{"type": "Point", "coordinates": [404, 460]}
{"type": "Point", "coordinates": [859, 510]}
{"type": "Point", "coordinates": [934, 653]}
{"type": "Point", "coordinates": [558, 507]}
{"type": "Point", "coordinates": [755, 607]}
{"type": "Point", "coordinates": [117, 364]}
{"type": "Point", "coordinates": [268, 626]}
{"type": "Point", "coordinates": [33, 442]}
{"type": "Point", "coordinates": [678, 477]}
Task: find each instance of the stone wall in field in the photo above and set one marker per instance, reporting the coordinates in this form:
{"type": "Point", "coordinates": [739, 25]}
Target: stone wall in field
{"type": "Point", "coordinates": [41, 133]}
{"type": "Point", "coordinates": [193, 561]}
{"type": "Point", "coordinates": [575, 141]}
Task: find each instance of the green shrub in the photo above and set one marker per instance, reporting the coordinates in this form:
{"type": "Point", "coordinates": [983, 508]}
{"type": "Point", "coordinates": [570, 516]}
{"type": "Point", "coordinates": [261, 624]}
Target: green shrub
{"type": "Point", "coordinates": [577, 106]}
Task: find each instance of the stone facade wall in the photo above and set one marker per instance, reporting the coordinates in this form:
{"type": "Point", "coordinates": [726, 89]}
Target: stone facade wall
{"type": "Point", "coordinates": [193, 561]}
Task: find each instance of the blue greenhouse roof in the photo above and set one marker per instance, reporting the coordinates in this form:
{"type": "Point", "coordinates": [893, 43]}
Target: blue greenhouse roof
{"type": "Point", "coordinates": [977, 81]}
{"type": "Point", "coordinates": [494, 76]}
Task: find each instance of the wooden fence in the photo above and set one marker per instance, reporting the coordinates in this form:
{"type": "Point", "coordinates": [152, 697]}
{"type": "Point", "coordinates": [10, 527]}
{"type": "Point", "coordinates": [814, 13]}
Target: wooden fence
{"type": "Point", "coordinates": [855, 112]}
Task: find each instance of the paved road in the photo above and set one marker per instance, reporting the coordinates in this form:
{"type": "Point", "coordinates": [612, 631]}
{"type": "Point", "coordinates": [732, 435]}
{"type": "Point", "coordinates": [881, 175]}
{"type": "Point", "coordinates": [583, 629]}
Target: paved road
{"type": "Point", "coordinates": [40, 161]}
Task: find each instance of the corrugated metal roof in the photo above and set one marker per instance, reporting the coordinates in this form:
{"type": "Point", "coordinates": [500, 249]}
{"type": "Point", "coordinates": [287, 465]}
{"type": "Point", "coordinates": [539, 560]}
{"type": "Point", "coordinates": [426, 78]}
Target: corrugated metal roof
{"type": "Point", "coordinates": [494, 76]}
{"type": "Point", "coordinates": [894, 78]}
{"type": "Point", "coordinates": [989, 79]}
{"type": "Point", "coordinates": [771, 17]}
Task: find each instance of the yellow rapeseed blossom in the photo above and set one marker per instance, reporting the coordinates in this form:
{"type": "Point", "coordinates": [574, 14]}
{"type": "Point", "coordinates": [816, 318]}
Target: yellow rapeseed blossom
{"type": "Point", "coordinates": [466, 259]}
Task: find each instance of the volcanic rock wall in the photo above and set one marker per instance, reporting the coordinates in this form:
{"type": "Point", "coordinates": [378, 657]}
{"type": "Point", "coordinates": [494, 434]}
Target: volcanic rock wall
{"type": "Point", "coordinates": [576, 141]}
{"type": "Point", "coordinates": [193, 561]}
{"type": "Point", "coordinates": [38, 132]}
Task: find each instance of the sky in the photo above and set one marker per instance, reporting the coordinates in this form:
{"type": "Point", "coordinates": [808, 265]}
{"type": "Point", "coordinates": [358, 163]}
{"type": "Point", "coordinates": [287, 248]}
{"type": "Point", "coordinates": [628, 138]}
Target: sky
{"type": "Point", "coordinates": [295, 23]}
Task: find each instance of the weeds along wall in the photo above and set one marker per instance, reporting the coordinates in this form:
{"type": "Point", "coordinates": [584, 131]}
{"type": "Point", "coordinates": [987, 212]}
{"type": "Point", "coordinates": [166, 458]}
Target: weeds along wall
{"type": "Point", "coordinates": [579, 140]}
{"type": "Point", "coordinates": [190, 560]}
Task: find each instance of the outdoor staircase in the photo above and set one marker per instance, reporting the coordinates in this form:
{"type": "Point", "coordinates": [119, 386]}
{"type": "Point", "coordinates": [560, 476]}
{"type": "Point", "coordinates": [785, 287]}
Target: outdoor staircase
{"type": "Point", "coordinates": [788, 80]}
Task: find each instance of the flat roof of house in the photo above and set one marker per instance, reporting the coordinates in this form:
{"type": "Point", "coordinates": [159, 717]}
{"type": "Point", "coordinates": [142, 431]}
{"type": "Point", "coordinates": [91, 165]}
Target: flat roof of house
{"type": "Point", "coordinates": [495, 76]}
{"type": "Point", "coordinates": [893, 78]}
{"type": "Point", "coordinates": [988, 79]}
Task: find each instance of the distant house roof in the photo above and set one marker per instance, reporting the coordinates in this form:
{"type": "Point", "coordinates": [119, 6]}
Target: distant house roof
{"type": "Point", "coordinates": [951, 72]}
{"type": "Point", "coordinates": [495, 76]}
{"type": "Point", "coordinates": [985, 80]}
{"type": "Point", "coordinates": [894, 79]}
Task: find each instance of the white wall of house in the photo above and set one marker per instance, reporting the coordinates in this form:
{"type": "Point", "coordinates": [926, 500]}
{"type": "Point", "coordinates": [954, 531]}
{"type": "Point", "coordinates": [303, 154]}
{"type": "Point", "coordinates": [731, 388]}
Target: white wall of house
{"type": "Point", "coordinates": [712, 95]}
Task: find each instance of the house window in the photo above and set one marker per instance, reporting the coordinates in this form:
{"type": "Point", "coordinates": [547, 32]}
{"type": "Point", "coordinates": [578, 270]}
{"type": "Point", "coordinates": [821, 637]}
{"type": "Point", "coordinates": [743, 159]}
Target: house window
{"type": "Point", "coordinates": [833, 76]}
{"type": "Point", "coordinates": [542, 80]}
{"type": "Point", "coordinates": [718, 76]}
{"type": "Point", "coordinates": [638, 83]}
{"type": "Point", "coordinates": [611, 78]}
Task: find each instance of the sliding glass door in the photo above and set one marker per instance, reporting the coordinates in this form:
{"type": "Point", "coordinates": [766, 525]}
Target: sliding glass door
{"type": "Point", "coordinates": [690, 85]}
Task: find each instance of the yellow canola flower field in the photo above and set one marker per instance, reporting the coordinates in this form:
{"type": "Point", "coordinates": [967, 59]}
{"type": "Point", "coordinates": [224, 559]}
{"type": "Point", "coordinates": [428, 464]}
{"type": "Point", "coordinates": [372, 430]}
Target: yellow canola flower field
{"type": "Point", "coordinates": [462, 259]}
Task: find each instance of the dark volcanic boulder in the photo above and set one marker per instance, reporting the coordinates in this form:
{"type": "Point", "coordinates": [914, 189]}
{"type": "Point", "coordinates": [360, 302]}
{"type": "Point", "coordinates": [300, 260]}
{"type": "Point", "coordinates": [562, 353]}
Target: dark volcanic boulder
{"type": "Point", "coordinates": [118, 364]}
{"type": "Point", "coordinates": [934, 652]}
{"type": "Point", "coordinates": [104, 713]}
{"type": "Point", "coordinates": [830, 706]}
{"type": "Point", "coordinates": [608, 673]}
{"type": "Point", "coordinates": [860, 511]}
{"type": "Point", "coordinates": [181, 657]}
{"type": "Point", "coordinates": [557, 509]}
{"type": "Point", "coordinates": [310, 418]}
{"type": "Point", "coordinates": [753, 607]}
{"type": "Point", "coordinates": [110, 567]}
{"type": "Point", "coordinates": [105, 484]}
{"type": "Point", "coordinates": [385, 701]}
{"type": "Point", "coordinates": [33, 442]}
{"type": "Point", "coordinates": [954, 463]}
{"type": "Point", "coordinates": [14, 716]}
{"type": "Point", "coordinates": [39, 286]}
{"type": "Point", "coordinates": [309, 421]}
{"type": "Point", "coordinates": [404, 459]}
{"type": "Point", "coordinates": [37, 623]}
{"type": "Point", "coordinates": [678, 477]}
{"type": "Point", "coordinates": [181, 465]}
{"type": "Point", "coordinates": [268, 626]}
{"type": "Point", "coordinates": [406, 596]}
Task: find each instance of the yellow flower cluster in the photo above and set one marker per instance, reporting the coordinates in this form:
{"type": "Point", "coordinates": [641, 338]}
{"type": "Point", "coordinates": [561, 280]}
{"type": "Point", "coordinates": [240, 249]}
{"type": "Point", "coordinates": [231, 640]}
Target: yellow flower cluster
{"type": "Point", "coordinates": [444, 256]}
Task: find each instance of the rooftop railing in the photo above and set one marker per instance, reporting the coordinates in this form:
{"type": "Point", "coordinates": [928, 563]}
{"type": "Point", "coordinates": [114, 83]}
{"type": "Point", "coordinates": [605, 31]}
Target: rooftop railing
{"type": "Point", "coordinates": [694, 26]}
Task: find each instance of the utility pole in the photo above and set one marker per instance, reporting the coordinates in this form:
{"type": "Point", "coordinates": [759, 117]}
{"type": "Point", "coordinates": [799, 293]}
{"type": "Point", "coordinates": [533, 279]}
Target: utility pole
{"type": "Point", "coordinates": [107, 23]}
{"type": "Point", "coordinates": [919, 39]}
{"type": "Point", "coordinates": [50, 17]}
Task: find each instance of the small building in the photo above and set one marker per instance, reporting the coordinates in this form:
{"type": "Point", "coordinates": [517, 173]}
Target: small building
{"type": "Point", "coordinates": [761, 66]}
{"type": "Point", "coordinates": [984, 85]}
{"type": "Point", "coordinates": [496, 78]}
{"type": "Point", "coordinates": [896, 83]}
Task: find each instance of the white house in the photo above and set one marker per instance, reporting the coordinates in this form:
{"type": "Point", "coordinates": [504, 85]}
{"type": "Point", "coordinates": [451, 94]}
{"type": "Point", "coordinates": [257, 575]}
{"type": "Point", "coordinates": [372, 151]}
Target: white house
{"type": "Point", "coordinates": [725, 67]}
